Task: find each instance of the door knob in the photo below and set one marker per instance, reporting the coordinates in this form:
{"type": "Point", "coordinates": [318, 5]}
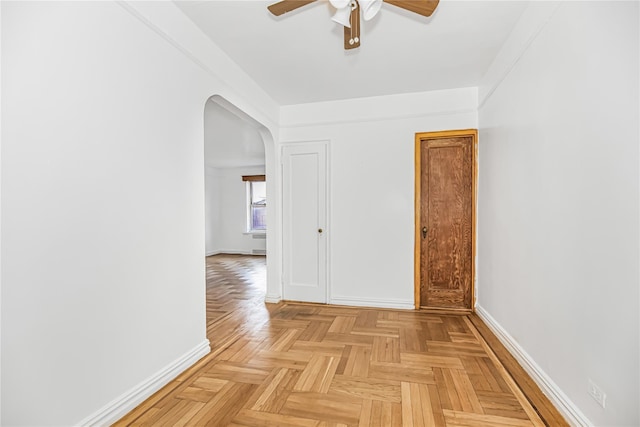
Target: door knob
{"type": "Point", "coordinates": [424, 232]}
{"type": "Point", "coordinates": [320, 230]}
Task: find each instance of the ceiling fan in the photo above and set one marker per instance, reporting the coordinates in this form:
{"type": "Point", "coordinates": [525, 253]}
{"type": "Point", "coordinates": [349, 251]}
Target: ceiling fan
{"type": "Point", "coordinates": [348, 13]}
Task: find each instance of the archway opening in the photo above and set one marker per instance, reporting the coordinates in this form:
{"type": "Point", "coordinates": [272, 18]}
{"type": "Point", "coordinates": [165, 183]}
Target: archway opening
{"type": "Point", "coordinates": [236, 204]}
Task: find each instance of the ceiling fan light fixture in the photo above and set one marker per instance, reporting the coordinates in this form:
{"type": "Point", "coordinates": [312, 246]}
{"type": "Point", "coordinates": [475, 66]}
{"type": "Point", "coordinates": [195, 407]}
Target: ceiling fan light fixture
{"type": "Point", "coordinates": [370, 8]}
{"type": "Point", "coordinates": [348, 16]}
{"type": "Point", "coordinates": [339, 4]}
{"type": "Point", "coordinates": [343, 16]}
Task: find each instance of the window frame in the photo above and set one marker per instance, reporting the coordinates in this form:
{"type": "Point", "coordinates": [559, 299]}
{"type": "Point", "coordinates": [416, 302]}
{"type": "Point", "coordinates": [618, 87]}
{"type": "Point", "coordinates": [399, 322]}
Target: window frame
{"type": "Point", "coordinates": [251, 205]}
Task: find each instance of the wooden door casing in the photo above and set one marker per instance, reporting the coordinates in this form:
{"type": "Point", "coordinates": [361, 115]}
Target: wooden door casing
{"type": "Point", "coordinates": [445, 208]}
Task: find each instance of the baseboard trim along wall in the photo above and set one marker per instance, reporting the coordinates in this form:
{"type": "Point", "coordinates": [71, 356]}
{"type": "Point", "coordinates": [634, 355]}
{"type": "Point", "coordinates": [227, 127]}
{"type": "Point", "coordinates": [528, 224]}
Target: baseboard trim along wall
{"type": "Point", "coordinates": [122, 405]}
{"type": "Point", "coordinates": [373, 302]}
{"type": "Point", "coordinates": [272, 299]}
{"type": "Point", "coordinates": [567, 408]}
{"type": "Point", "coordinates": [233, 252]}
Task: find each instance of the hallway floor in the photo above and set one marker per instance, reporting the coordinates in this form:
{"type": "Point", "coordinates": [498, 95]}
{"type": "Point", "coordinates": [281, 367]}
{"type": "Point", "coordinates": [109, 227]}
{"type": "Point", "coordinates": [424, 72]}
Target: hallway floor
{"type": "Point", "coordinates": [316, 365]}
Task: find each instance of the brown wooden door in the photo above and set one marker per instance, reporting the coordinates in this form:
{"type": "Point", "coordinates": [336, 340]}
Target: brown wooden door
{"type": "Point", "coordinates": [445, 219]}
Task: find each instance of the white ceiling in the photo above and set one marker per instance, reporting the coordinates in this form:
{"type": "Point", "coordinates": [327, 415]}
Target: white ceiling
{"type": "Point", "coordinates": [299, 57]}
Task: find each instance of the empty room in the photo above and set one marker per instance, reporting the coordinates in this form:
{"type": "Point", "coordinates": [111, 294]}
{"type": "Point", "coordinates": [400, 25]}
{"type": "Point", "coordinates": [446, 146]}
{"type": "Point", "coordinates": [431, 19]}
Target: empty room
{"type": "Point", "coordinates": [320, 213]}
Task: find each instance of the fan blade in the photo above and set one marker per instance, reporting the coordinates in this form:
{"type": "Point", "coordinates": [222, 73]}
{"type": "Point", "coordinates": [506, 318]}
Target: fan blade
{"type": "Point", "coordinates": [285, 6]}
{"type": "Point", "coordinates": [422, 7]}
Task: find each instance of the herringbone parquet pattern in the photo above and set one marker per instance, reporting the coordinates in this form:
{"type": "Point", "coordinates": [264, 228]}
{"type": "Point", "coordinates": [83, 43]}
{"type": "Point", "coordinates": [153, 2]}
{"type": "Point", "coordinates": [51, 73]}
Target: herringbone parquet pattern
{"type": "Point", "coordinates": [314, 365]}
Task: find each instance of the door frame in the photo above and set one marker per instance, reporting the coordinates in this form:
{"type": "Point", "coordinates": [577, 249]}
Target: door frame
{"type": "Point", "coordinates": [473, 133]}
{"type": "Point", "coordinates": [325, 143]}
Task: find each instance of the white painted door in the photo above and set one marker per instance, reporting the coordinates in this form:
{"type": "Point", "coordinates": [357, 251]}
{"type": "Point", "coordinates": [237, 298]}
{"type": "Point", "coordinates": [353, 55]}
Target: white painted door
{"type": "Point", "coordinates": [305, 222]}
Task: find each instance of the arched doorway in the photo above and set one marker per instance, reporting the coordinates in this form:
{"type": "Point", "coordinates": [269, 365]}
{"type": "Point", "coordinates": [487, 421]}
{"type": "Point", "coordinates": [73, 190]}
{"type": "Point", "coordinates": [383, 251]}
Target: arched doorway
{"type": "Point", "coordinates": [236, 146]}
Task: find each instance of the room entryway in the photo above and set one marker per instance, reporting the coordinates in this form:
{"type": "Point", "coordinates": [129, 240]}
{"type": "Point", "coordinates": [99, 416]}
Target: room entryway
{"type": "Point", "coordinates": [445, 219]}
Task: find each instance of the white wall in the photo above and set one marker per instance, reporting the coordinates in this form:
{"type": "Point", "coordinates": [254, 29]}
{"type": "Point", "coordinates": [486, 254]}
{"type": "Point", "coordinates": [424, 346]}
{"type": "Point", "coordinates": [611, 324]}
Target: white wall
{"type": "Point", "coordinates": [558, 201]}
{"type": "Point", "coordinates": [226, 213]}
{"type": "Point", "coordinates": [371, 173]}
{"type": "Point", "coordinates": [0, 223]}
{"type": "Point", "coordinates": [212, 211]}
{"type": "Point", "coordinates": [103, 202]}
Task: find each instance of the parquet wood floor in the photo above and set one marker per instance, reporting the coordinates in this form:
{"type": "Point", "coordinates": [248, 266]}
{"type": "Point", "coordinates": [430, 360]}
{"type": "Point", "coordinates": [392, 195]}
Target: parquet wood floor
{"type": "Point", "coordinates": [315, 365]}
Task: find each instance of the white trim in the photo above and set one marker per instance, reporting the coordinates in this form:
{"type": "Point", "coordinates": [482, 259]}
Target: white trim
{"type": "Point", "coordinates": [328, 223]}
{"type": "Point", "coordinates": [493, 86]}
{"type": "Point", "coordinates": [231, 252]}
{"type": "Point", "coordinates": [567, 408]}
{"type": "Point", "coordinates": [380, 118]}
{"type": "Point", "coordinates": [130, 7]}
{"type": "Point", "coordinates": [271, 299]}
{"type": "Point", "coordinates": [120, 406]}
{"type": "Point", "coordinates": [373, 302]}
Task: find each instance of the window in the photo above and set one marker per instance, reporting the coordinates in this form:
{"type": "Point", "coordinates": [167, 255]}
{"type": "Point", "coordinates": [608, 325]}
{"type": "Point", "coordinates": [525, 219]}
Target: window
{"type": "Point", "coordinates": [256, 203]}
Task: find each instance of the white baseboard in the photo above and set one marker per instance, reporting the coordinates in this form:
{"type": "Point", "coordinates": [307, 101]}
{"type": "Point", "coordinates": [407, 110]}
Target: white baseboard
{"type": "Point", "coordinates": [228, 252]}
{"type": "Point", "coordinates": [567, 408]}
{"type": "Point", "coordinates": [273, 299]}
{"type": "Point", "coordinates": [231, 252]}
{"type": "Point", "coordinates": [373, 302]}
{"type": "Point", "coordinates": [122, 405]}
